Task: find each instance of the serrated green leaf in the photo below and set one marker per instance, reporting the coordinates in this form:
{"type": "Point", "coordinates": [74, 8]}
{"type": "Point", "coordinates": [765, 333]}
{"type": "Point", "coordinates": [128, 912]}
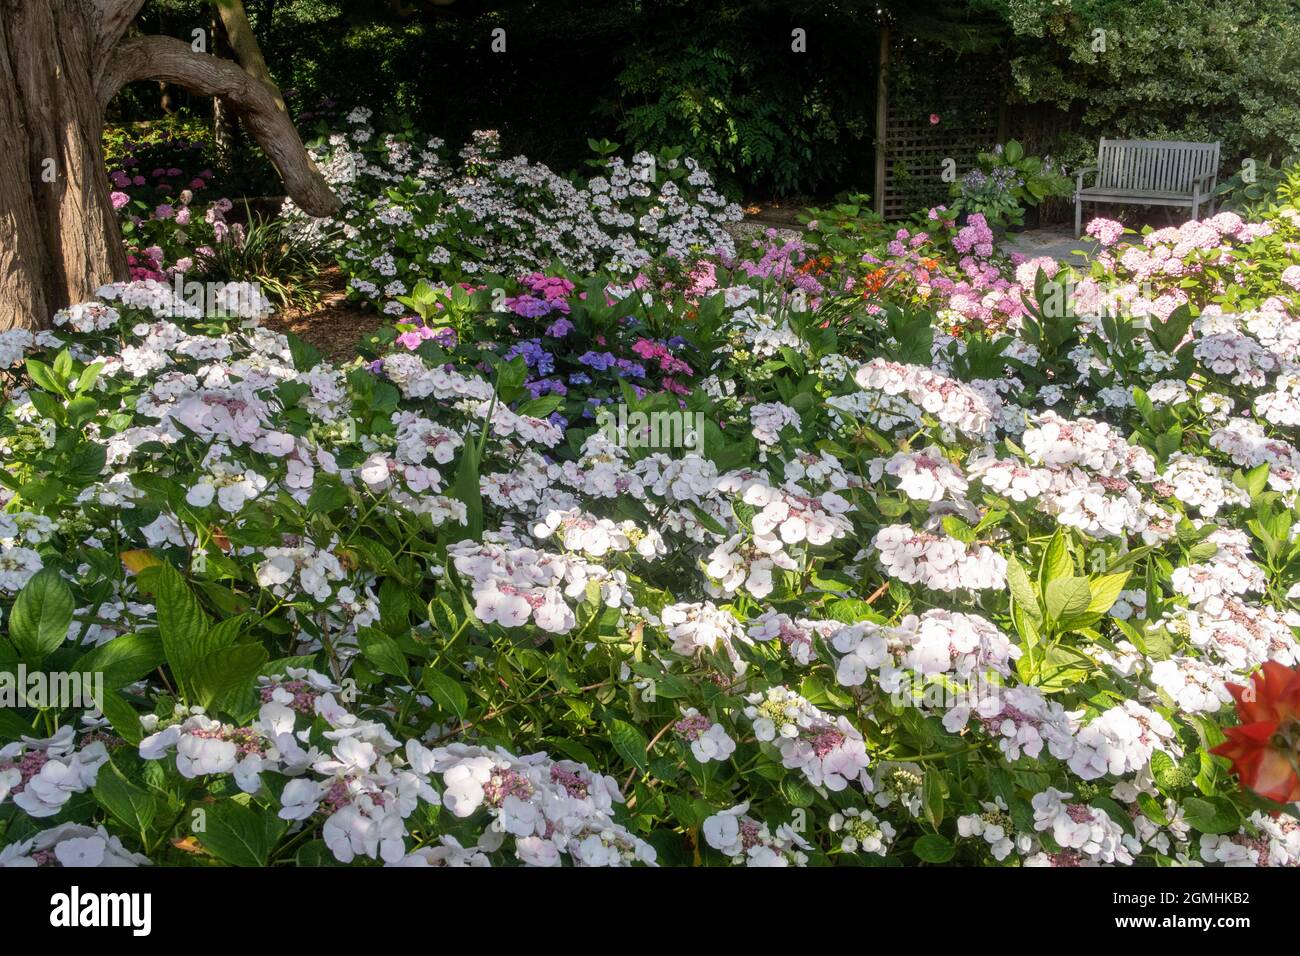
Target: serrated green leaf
{"type": "Point", "coordinates": [124, 660]}
{"type": "Point", "coordinates": [132, 806]}
{"type": "Point", "coordinates": [1066, 597]}
{"type": "Point", "coordinates": [934, 848]}
{"type": "Point", "coordinates": [121, 715]}
{"type": "Point", "coordinates": [1105, 590]}
{"type": "Point", "coordinates": [182, 624]}
{"type": "Point", "coordinates": [226, 671]}
{"type": "Point", "coordinates": [629, 742]}
{"type": "Point", "coordinates": [447, 692]}
{"type": "Point", "coordinates": [39, 620]}
{"type": "Point", "coordinates": [383, 653]}
{"type": "Point", "coordinates": [1056, 562]}
{"type": "Point", "coordinates": [932, 789]}
{"type": "Point", "coordinates": [1023, 591]}
{"type": "Point", "coordinates": [239, 835]}
{"type": "Point", "coordinates": [1215, 815]}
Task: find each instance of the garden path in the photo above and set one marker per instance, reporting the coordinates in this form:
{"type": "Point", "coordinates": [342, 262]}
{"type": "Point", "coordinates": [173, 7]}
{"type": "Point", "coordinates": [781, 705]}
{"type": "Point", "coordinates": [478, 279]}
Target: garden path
{"type": "Point", "coordinates": [1055, 241]}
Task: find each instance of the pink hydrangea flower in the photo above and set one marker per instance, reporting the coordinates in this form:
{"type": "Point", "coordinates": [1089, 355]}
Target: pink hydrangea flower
{"type": "Point", "coordinates": [1106, 231]}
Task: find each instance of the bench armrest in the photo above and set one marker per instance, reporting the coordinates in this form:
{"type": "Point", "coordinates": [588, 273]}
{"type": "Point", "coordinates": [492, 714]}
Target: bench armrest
{"type": "Point", "coordinates": [1204, 178]}
{"type": "Point", "coordinates": [1079, 174]}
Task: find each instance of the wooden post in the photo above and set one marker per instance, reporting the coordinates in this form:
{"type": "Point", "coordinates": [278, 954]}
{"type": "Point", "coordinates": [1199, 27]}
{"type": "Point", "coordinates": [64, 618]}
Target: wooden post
{"type": "Point", "coordinates": [882, 120]}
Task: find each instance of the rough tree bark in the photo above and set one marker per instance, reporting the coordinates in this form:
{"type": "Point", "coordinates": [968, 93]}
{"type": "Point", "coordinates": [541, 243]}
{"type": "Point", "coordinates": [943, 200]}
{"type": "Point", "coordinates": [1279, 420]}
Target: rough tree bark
{"type": "Point", "coordinates": [60, 65]}
{"type": "Point", "coordinates": [225, 127]}
{"type": "Point", "coordinates": [244, 42]}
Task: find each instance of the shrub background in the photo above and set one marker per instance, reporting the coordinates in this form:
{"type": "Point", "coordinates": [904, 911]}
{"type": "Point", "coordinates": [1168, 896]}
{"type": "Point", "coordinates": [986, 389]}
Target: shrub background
{"type": "Point", "coordinates": [718, 77]}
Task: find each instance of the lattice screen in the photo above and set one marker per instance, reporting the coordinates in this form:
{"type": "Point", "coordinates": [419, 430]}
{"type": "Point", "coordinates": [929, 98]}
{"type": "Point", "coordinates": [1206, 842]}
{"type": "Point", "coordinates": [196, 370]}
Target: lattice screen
{"type": "Point", "coordinates": [914, 160]}
{"type": "Point", "coordinates": [968, 100]}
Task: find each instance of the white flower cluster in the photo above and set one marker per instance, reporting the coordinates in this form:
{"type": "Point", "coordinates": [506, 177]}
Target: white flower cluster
{"type": "Point", "coordinates": [596, 537]}
{"type": "Point", "coordinates": [795, 634]}
{"type": "Point", "coordinates": [1086, 835]}
{"type": "Point", "coordinates": [552, 809]}
{"type": "Point", "coordinates": [937, 642]}
{"type": "Point", "coordinates": [1120, 741]}
{"type": "Point", "coordinates": [769, 418]}
{"type": "Point", "coordinates": [938, 561]}
{"type": "Point", "coordinates": [41, 775]}
{"type": "Point", "coordinates": [523, 215]}
{"type": "Point", "coordinates": [829, 751]}
{"type": "Point", "coordinates": [1269, 841]}
{"type": "Point", "coordinates": [702, 627]}
{"type": "Point", "coordinates": [513, 585]}
{"type": "Point", "coordinates": [708, 739]}
{"type": "Point", "coordinates": [925, 475]}
{"type": "Point", "coordinates": [995, 827]}
{"type": "Point", "coordinates": [953, 403]}
{"type": "Point", "coordinates": [743, 839]}
{"type": "Point", "coordinates": [87, 317]}
{"type": "Point", "coordinates": [70, 845]}
{"type": "Point", "coordinates": [305, 568]}
{"type": "Point", "coordinates": [17, 566]}
{"type": "Point", "coordinates": [863, 831]}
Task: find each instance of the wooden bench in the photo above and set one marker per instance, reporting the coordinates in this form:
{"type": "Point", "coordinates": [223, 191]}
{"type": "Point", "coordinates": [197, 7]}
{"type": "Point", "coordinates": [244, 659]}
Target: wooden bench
{"type": "Point", "coordinates": [1149, 173]}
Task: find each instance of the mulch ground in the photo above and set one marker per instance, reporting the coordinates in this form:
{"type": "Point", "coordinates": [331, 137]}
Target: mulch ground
{"type": "Point", "coordinates": [335, 326]}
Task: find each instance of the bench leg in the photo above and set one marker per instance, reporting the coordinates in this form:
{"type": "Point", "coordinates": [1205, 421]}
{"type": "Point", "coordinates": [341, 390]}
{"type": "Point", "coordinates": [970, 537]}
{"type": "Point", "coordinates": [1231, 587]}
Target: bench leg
{"type": "Point", "coordinates": [1078, 217]}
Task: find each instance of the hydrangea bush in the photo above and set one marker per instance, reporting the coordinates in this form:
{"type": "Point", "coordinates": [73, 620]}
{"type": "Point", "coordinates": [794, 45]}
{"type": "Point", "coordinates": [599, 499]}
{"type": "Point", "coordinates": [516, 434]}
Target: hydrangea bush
{"type": "Point", "coordinates": [413, 213]}
{"type": "Point", "coordinates": [580, 349]}
{"type": "Point", "coordinates": [926, 592]}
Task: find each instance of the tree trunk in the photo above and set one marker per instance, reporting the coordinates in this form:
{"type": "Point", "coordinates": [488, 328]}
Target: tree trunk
{"type": "Point", "coordinates": [60, 65]}
{"type": "Point", "coordinates": [225, 131]}
{"type": "Point", "coordinates": [59, 238]}
{"type": "Point", "coordinates": [239, 34]}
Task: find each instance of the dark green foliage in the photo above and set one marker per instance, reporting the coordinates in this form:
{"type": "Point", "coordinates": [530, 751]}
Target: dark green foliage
{"type": "Point", "coordinates": [724, 78]}
{"type": "Point", "coordinates": [721, 78]}
{"type": "Point", "coordinates": [266, 251]}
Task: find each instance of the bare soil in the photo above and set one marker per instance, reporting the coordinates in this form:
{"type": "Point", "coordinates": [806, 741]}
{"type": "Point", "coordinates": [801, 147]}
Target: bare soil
{"type": "Point", "coordinates": [335, 326]}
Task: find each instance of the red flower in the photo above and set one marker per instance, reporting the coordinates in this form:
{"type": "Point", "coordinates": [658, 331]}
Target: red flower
{"type": "Point", "coordinates": [1265, 748]}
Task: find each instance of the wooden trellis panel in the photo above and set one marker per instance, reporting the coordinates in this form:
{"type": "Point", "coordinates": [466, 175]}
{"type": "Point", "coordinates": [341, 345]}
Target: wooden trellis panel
{"type": "Point", "coordinates": [1040, 128]}
{"type": "Point", "coordinates": [915, 152]}
{"type": "Point", "coordinates": [973, 117]}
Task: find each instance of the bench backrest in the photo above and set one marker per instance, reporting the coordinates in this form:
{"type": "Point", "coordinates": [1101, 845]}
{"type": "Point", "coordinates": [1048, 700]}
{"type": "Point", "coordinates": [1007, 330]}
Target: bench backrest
{"type": "Point", "coordinates": [1154, 164]}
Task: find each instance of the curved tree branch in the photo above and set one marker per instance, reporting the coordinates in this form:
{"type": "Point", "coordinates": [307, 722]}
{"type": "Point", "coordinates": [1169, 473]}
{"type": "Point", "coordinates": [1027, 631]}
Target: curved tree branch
{"type": "Point", "coordinates": [172, 60]}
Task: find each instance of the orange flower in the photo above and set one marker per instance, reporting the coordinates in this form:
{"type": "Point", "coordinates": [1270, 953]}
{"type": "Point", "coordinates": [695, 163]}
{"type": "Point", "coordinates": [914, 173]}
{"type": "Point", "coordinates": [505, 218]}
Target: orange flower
{"type": "Point", "coordinates": [874, 281]}
{"type": "Point", "coordinates": [1265, 748]}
